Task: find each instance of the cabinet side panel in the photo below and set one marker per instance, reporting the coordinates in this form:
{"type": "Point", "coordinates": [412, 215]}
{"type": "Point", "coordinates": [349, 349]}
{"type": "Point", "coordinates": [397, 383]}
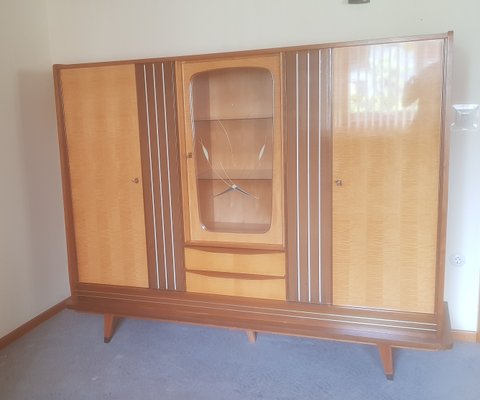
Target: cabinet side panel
{"type": "Point", "coordinates": [101, 125]}
{"type": "Point", "coordinates": [387, 116]}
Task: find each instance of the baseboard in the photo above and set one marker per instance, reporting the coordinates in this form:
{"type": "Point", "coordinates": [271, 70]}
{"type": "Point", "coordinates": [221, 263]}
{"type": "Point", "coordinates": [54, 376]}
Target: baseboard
{"type": "Point", "coordinates": [465, 336]}
{"type": "Point", "coordinates": [33, 323]}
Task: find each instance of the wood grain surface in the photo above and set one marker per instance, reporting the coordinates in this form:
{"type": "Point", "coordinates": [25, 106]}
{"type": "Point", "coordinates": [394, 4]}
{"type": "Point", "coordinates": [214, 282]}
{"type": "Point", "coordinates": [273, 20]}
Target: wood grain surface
{"type": "Point", "coordinates": [102, 136]}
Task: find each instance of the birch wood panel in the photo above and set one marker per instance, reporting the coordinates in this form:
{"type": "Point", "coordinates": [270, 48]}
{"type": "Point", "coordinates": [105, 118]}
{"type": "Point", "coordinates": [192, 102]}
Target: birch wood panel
{"type": "Point", "coordinates": [102, 136]}
{"type": "Point", "coordinates": [272, 263]}
{"type": "Point", "coordinates": [269, 288]}
{"type": "Point", "coordinates": [387, 118]}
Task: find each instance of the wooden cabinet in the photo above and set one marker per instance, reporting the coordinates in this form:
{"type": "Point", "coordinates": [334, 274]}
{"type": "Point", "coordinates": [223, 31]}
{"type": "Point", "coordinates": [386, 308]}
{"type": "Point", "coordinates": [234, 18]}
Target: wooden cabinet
{"type": "Point", "coordinates": [297, 191]}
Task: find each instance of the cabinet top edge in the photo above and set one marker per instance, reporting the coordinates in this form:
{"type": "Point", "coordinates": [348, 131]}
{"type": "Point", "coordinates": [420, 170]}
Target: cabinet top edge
{"type": "Point", "coordinates": [245, 53]}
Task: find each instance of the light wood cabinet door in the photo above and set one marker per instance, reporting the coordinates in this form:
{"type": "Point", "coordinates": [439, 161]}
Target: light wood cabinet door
{"type": "Point", "coordinates": [387, 130]}
{"type": "Point", "coordinates": [102, 145]}
{"type": "Point", "coordinates": [231, 145]}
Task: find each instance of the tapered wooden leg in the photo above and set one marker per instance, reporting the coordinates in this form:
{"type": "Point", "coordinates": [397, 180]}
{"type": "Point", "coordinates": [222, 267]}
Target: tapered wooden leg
{"type": "Point", "coordinates": [386, 355]}
{"type": "Point", "coordinates": [108, 327]}
{"type": "Point", "coordinates": [252, 336]}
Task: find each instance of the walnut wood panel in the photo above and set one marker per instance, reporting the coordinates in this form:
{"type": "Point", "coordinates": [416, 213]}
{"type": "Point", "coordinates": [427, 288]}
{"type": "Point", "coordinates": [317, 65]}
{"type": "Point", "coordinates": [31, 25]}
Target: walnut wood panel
{"type": "Point", "coordinates": [102, 139]}
{"type": "Point", "coordinates": [387, 120]}
{"type": "Point", "coordinates": [271, 263]}
{"type": "Point", "coordinates": [236, 285]}
{"type": "Point", "coordinates": [398, 329]}
{"type": "Point", "coordinates": [161, 172]}
{"type": "Point", "coordinates": [194, 232]}
{"type": "Point", "coordinates": [305, 115]}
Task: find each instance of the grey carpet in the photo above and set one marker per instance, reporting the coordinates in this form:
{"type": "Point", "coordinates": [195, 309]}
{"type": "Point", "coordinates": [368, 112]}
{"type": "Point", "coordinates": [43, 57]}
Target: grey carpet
{"type": "Point", "coordinates": [65, 358]}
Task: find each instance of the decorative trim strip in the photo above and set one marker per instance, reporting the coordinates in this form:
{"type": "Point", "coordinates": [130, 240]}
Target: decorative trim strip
{"type": "Point", "coordinates": [304, 130]}
{"type": "Point", "coordinates": [163, 172]}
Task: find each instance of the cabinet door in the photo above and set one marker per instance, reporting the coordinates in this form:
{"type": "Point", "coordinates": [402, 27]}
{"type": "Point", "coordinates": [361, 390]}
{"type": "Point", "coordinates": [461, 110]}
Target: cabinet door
{"type": "Point", "coordinates": [232, 145]}
{"type": "Point", "coordinates": [387, 125]}
{"type": "Point", "coordinates": [102, 139]}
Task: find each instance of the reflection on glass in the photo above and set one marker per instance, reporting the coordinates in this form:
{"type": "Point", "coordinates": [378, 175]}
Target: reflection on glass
{"type": "Point", "coordinates": [232, 127]}
{"type": "Point", "coordinates": [383, 82]}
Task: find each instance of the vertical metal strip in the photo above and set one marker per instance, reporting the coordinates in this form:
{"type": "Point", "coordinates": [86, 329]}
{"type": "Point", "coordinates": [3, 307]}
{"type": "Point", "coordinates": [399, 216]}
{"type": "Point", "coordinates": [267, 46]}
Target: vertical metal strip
{"type": "Point", "coordinates": [169, 179]}
{"type": "Point", "coordinates": [326, 176]}
{"type": "Point", "coordinates": [151, 174]}
{"type": "Point", "coordinates": [309, 268]}
{"type": "Point", "coordinates": [297, 175]}
{"type": "Point", "coordinates": [162, 208]}
{"type": "Point", "coordinates": [320, 105]}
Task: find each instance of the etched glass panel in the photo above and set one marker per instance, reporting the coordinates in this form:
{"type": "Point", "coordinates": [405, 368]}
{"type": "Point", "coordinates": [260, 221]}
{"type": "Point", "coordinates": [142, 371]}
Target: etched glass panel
{"type": "Point", "coordinates": [232, 128]}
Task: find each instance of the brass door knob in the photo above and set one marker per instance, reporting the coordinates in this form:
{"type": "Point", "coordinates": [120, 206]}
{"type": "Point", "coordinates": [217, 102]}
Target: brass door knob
{"type": "Point", "coordinates": [338, 182]}
{"type": "Point", "coordinates": [135, 180]}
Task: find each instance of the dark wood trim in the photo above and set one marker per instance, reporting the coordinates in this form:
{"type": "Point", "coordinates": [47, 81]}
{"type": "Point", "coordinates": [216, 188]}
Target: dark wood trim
{"type": "Point", "coordinates": [85, 289]}
{"type": "Point", "coordinates": [146, 175]}
{"type": "Point", "coordinates": [162, 169]}
{"type": "Point", "coordinates": [443, 173]}
{"type": "Point", "coordinates": [290, 175]}
{"type": "Point", "coordinates": [32, 324]}
{"type": "Point", "coordinates": [175, 178]}
{"type": "Point", "coordinates": [301, 116]}
{"type": "Point", "coordinates": [161, 175]}
{"type": "Point", "coordinates": [303, 169]}
{"type": "Point", "coordinates": [326, 180]}
{"type": "Point", "coordinates": [398, 329]}
{"type": "Point", "coordinates": [66, 184]}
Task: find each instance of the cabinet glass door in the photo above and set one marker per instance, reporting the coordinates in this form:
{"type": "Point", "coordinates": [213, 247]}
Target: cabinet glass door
{"type": "Point", "coordinates": [232, 130]}
{"type": "Point", "coordinates": [233, 149]}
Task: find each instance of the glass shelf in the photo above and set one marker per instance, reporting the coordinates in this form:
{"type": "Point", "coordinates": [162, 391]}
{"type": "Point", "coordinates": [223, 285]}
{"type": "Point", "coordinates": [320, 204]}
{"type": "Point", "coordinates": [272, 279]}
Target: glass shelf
{"type": "Point", "coordinates": [232, 134]}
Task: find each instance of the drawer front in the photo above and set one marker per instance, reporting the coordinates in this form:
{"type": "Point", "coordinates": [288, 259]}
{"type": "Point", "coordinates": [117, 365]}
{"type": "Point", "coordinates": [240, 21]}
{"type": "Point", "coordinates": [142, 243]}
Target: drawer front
{"type": "Point", "coordinates": [261, 288]}
{"type": "Point", "coordinates": [219, 260]}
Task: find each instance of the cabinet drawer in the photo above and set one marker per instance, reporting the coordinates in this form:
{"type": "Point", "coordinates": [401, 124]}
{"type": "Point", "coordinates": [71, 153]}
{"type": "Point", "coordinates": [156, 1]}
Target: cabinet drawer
{"type": "Point", "coordinates": [220, 260]}
{"type": "Point", "coordinates": [261, 288]}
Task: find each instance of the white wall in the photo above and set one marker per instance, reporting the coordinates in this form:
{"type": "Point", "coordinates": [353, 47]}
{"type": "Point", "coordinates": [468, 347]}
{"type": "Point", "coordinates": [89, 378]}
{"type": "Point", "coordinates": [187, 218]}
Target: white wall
{"type": "Point", "coordinates": [95, 30]}
{"type": "Point", "coordinates": [32, 246]}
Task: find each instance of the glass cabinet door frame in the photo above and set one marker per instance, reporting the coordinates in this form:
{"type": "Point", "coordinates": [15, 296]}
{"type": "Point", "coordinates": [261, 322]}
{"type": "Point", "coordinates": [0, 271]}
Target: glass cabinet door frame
{"type": "Point", "coordinates": [194, 232]}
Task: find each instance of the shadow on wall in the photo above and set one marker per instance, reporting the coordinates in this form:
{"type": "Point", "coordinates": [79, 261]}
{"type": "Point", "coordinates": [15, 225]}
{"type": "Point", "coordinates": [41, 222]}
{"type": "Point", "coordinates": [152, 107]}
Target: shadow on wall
{"type": "Point", "coordinates": [38, 140]}
{"type": "Point", "coordinates": [464, 228]}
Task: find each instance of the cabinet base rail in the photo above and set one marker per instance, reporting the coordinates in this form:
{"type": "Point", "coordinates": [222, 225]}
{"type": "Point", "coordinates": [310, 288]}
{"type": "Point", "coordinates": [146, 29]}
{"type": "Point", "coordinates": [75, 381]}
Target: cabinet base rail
{"type": "Point", "coordinates": [386, 330]}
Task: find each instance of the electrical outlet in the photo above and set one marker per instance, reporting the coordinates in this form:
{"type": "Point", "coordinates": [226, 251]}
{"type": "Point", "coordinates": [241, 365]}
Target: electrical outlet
{"type": "Point", "coordinates": [457, 260]}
